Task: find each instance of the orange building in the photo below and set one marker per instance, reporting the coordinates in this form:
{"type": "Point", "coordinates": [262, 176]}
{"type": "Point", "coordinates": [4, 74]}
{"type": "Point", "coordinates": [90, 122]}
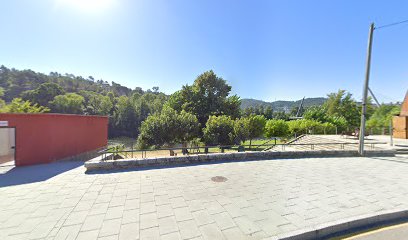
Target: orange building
{"type": "Point", "coordinates": [400, 123]}
{"type": "Point", "coordinates": [43, 138]}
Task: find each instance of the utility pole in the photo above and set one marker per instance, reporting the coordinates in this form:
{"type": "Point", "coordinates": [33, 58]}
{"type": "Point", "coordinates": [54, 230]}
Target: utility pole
{"type": "Point", "coordinates": [365, 91]}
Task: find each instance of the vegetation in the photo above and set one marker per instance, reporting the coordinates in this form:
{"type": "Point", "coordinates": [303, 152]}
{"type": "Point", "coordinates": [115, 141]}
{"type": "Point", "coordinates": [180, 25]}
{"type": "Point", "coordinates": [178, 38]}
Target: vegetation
{"type": "Point", "coordinates": [203, 112]}
{"type": "Point", "coordinates": [168, 128]}
{"type": "Point", "coordinates": [276, 128]}
{"type": "Point", "coordinates": [219, 130]}
{"type": "Point", "coordinates": [33, 92]}
{"type": "Point", "coordinates": [18, 105]}
{"type": "Point", "coordinates": [208, 96]}
{"type": "Point", "coordinates": [281, 105]}
{"type": "Point", "coordinates": [382, 116]}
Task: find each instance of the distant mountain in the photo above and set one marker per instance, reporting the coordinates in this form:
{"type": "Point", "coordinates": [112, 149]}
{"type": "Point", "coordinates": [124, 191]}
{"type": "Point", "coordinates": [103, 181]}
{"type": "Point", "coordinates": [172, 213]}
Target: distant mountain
{"type": "Point", "coordinates": [282, 105]}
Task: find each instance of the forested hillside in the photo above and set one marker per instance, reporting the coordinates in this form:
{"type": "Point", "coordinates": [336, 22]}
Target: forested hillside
{"type": "Point", "coordinates": [203, 112]}
{"type": "Point", "coordinates": [29, 91]}
{"type": "Point", "coordinates": [282, 105]}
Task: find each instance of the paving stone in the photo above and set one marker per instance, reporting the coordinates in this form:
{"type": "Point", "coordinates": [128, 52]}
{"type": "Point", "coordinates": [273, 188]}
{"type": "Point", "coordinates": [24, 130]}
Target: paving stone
{"type": "Point", "coordinates": [224, 220]}
{"type": "Point", "coordinates": [41, 230]}
{"type": "Point", "coordinates": [99, 208]}
{"type": "Point", "coordinates": [129, 231]}
{"type": "Point", "coordinates": [114, 212]}
{"type": "Point", "coordinates": [211, 231]}
{"type": "Point", "coordinates": [246, 225]}
{"type": "Point", "coordinates": [188, 229]}
{"type": "Point", "coordinates": [68, 232]}
{"type": "Point", "coordinates": [88, 235]}
{"type": "Point", "coordinates": [110, 227]}
{"type": "Point", "coordinates": [171, 236]}
{"type": "Point", "coordinates": [167, 225]}
{"type": "Point", "coordinates": [150, 234]}
{"type": "Point", "coordinates": [76, 218]}
{"type": "Point", "coordinates": [234, 234]}
{"type": "Point", "coordinates": [111, 237]}
{"type": "Point", "coordinates": [260, 199]}
{"type": "Point", "coordinates": [148, 220]}
{"type": "Point", "coordinates": [183, 214]}
{"type": "Point", "coordinates": [130, 216]}
{"type": "Point", "coordinates": [93, 222]}
{"type": "Point", "coordinates": [165, 211]}
{"type": "Point", "coordinates": [147, 207]}
{"type": "Point", "coordinates": [202, 217]}
{"type": "Point", "coordinates": [132, 204]}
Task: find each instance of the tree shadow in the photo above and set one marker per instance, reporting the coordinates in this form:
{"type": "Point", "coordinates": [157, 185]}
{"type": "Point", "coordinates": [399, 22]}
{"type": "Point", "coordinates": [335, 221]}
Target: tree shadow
{"type": "Point", "coordinates": [35, 173]}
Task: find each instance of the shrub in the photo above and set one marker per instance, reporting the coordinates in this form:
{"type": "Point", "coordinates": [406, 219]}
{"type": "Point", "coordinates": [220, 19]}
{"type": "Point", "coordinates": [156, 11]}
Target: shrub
{"type": "Point", "coordinates": [276, 128]}
{"type": "Point", "coordinates": [219, 130]}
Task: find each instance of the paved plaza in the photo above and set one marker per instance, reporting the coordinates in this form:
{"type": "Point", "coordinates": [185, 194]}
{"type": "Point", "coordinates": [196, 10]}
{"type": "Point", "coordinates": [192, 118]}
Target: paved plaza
{"type": "Point", "coordinates": [260, 199]}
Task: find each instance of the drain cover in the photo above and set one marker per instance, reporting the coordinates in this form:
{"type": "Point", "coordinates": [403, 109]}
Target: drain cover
{"type": "Point", "coordinates": [219, 179]}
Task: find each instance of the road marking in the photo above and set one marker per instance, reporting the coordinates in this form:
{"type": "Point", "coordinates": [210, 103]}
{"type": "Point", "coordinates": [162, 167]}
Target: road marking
{"type": "Point", "coordinates": [376, 231]}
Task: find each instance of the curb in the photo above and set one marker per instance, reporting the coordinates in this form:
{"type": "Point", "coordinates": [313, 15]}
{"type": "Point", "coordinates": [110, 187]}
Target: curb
{"type": "Point", "coordinates": [348, 225]}
{"type": "Point", "coordinates": [101, 164]}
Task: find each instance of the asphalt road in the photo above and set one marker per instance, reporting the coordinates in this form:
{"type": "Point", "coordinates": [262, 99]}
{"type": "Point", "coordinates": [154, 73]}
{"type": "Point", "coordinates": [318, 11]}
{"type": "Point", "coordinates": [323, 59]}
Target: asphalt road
{"type": "Point", "coordinates": [396, 232]}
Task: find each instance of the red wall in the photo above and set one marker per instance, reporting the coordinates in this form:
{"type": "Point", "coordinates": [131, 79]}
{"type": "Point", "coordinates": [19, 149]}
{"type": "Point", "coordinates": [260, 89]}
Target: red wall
{"type": "Point", "coordinates": [44, 138]}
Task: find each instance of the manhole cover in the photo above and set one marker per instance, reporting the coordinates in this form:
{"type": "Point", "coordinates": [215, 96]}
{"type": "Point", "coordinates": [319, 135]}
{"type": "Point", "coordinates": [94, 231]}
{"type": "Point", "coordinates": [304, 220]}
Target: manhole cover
{"type": "Point", "coordinates": [219, 179]}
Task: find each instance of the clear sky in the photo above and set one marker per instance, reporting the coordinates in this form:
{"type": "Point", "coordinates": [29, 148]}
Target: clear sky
{"type": "Point", "coordinates": [269, 50]}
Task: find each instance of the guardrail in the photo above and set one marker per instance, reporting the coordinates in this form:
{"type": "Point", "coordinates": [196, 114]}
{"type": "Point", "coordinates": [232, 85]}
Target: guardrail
{"type": "Point", "coordinates": [194, 150]}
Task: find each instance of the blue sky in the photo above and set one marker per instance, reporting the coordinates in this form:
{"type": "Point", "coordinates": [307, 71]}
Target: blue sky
{"type": "Point", "coordinates": [268, 50]}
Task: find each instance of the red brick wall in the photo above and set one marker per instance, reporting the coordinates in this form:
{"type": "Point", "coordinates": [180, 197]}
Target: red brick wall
{"type": "Point", "coordinates": [44, 138]}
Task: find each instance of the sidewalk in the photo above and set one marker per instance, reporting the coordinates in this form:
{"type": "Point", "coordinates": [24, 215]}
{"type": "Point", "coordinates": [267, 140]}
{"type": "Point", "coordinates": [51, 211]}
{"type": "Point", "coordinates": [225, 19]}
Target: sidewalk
{"type": "Point", "coordinates": [259, 199]}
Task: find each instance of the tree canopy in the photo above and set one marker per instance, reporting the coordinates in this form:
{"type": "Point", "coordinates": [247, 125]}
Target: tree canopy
{"type": "Point", "coordinates": [219, 130]}
{"type": "Point", "coordinates": [167, 128]}
{"type": "Point", "coordinates": [209, 95]}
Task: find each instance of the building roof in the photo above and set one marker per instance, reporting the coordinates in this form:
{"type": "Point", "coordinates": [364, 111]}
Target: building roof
{"type": "Point", "coordinates": [404, 106]}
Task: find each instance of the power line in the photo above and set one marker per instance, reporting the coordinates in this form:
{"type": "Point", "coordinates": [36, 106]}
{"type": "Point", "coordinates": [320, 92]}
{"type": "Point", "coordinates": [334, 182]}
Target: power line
{"type": "Point", "coordinates": [392, 24]}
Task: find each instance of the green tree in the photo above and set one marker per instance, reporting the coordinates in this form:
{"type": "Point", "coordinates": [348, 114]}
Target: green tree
{"type": "Point", "coordinates": [219, 130]}
{"type": "Point", "coordinates": [319, 113]}
{"type": "Point", "coordinates": [45, 93]}
{"type": "Point", "coordinates": [125, 120]}
{"type": "Point", "coordinates": [276, 128]}
{"type": "Point", "coordinates": [341, 104]}
{"type": "Point", "coordinates": [382, 116]}
{"type": "Point", "coordinates": [241, 130]}
{"type": "Point", "coordinates": [96, 104]}
{"type": "Point", "coordinates": [18, 105]}
{"type": "Point", "coordinates": [268, 113]}
{"type": "Point", "coordinates": [207, 96]}
{"type": "Point", "coordinates": [68, 103]}
{"type": "Point", "coordinates": [256, 127]}
{"type": "Point", "coordinates": [281, 115]}
{"type": "Point", "coordinates": [168, 128]}
{"type": "Point", "coordinates": [2, 102]}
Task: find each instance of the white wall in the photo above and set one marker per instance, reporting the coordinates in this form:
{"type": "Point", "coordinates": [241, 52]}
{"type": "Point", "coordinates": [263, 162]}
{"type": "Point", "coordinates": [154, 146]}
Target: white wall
{"type": "Point", "coordinates": [7, 140]}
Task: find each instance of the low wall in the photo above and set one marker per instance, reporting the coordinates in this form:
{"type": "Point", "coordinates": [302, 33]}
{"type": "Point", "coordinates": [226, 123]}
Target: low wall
{"type": "Point", "coordinates": [101, 164]}
{"type": "Point", "coordinates": [44, 138]}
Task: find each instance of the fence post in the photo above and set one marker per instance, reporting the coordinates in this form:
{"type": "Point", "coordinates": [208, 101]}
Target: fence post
{"type": "Point", "coordinates": [391, 133]}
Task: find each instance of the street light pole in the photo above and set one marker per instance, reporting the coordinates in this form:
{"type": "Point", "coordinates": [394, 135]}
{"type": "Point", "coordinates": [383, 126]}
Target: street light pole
{"type": "Point", "coordinates": [365, 91]}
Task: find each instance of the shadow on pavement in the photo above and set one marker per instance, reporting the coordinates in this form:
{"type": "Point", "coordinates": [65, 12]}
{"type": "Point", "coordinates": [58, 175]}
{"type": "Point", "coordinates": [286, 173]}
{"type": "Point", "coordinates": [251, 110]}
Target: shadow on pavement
{"type": "Point", "coordinates": [37, 173]}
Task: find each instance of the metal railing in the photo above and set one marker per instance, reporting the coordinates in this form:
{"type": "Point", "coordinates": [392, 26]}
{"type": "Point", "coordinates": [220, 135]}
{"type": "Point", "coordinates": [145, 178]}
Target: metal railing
{"type": "Point", "coordinates": [111, 153]}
